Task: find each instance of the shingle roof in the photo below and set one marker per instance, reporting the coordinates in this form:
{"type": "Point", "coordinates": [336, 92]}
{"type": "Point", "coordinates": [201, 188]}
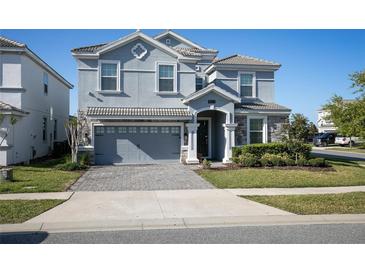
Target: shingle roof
{"type": "Point", "coordinates": [138, 112]}
{"type": "Point", "coordinates": [244, 60]}
{"type": "Point", "coordinates": [7, 43]}
{"type": "Point", "coordinates": [88, 49]}
{"type": "Point", "coordinates": [7, 107]}
{"type": "Point", "coordinates": [194, 51]}
{"type": "Point", "coordinates": [262, 106]}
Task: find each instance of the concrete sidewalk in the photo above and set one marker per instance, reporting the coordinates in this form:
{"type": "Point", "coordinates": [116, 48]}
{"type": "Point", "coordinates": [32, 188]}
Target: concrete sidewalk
{"type": "Point", "coordinates": [181, 223]}
{"type": "Point", "coordinates": [294, 191]}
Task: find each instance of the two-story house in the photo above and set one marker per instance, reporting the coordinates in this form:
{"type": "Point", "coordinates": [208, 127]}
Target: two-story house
{"type": "Point", "coordinates": [152, 99]}
{"type": "Point", "coordinates": [34, 104]}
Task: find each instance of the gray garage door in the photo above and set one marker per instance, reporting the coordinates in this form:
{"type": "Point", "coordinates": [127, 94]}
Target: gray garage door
{"type": "Point", "coordinates": [136, 144]}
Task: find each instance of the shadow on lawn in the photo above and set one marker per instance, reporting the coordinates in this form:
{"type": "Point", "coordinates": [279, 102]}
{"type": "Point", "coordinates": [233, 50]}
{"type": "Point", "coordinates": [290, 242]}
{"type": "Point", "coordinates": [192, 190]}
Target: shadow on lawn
{"type": "Point", "coordinates": [32, 237]}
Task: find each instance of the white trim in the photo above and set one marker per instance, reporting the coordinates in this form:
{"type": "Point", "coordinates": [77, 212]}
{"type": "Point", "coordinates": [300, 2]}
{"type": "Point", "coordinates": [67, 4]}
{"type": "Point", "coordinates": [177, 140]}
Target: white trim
{"type": "Point", "coordinates": [268, 112]}
{"type": "Point", "coordinates": [209, 119]}
{"type": "Point", "coordinates": [102, 61]}
{"type": "Point", "coordinates": [157, 78]}
{"type": "Point", "coordinates": [210, 88]}
{"type": "Point", "coordinates": [241, 67]}
{"type": "Point", "coordinates": [254, 92]}
{"type": "Point", "coordinates": [177, 37]}
{"type": "Point", "coordinates": [264, 128]}
{"type": "Point", "coordinates": [139, 57]}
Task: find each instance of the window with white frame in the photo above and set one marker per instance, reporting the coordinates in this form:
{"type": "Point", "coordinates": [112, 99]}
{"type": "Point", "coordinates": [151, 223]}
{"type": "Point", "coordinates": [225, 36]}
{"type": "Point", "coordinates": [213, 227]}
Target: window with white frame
{"type": "Point", "coordinates": [165, 130]}
{"type": "Point", "coordinates": [247, 84]}
{"type": "Point", "coordinates": [122, 130]}
{"type": "Point", "coordinates": [45, 83]}
{"type": "Point", "coordinates": [143, 129]}
{"type": "Point", "coordinates": [109, 76]}
{"type": "Point", "coordinates": [256, 131]}
{"type": "Point", "coordinates": [153, 130]}
{"type": "Point", "coordinates": [166, 78]}
{"type": "Point", "coordinates": [132, 130]}
{"type": "Point", "coordinates": [110, 130]}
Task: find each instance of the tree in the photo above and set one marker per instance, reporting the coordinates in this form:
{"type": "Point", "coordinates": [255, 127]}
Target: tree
{"type": "Point", "coordinates": [299, 128]}
{"type": "Point", "coordinates": [13, 121]}
{"type": "Point", "coordinates": [348, 117]}
{"type": "Point", "coordinates": [75, 128]}
{"type": "Point", "coordinates": [358, 82]}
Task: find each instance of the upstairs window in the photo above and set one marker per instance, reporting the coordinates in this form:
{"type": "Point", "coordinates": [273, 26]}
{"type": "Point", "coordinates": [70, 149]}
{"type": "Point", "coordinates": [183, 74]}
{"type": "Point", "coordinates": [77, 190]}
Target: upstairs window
{"type": "Point", "coordinates": [109, 76]}
{"type": "Point", "coordinates": [166, 78]}
{"type": "Point", "coordinates": [199, 82]}
{"type": "Point", "coordinates": [45, 83]}
{"type": "Point", "coordinates": [247, 85]}
{"type": "Point", "coordinates": [44, 129]}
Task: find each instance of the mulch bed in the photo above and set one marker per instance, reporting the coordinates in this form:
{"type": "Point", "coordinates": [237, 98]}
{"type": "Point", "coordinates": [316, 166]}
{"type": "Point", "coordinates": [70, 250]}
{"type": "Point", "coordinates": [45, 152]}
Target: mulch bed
{"type": "Point", "coordinates": [309, 168]}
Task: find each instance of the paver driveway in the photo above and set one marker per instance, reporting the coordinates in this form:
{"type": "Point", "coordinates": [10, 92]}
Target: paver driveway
{"type": "Point", "coordinates": [171, 176]}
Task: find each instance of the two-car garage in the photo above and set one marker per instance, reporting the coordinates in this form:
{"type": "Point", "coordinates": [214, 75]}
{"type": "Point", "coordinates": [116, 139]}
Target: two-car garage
{"type": "Point", "coordinates": [130, 144]}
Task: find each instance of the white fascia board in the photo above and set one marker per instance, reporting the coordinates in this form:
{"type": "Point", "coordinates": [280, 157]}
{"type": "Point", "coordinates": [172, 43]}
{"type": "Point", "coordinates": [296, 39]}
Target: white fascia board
{"type": "Point", "coordinates": [213, 67]}
{"type": "Point", "coordinates": [39, 61]}
{"type": "Point", "coordinates": [213, 88]}
{"type": "Point", "coordinates": [271, 112]}
{"type": "Point", "coordinates": [140, 35]}
{"type": "Point", "coordinates": [178, 37]}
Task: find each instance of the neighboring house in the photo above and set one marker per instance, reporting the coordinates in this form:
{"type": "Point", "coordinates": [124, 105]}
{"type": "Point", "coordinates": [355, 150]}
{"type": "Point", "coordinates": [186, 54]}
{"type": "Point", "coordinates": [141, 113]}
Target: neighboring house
{"type": "Point", "coordinates": [34, 104]}
{"type": "Point", "coordinates": [168, 98]}
{"type": "Point", "coordinates": [324, 124]}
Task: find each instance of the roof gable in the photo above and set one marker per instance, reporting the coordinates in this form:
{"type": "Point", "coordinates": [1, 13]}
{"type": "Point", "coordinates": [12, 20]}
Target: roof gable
{"type": "Point", "coordinates": [179, 38]}
{"type": "Point", "coordinates": [212, 88]}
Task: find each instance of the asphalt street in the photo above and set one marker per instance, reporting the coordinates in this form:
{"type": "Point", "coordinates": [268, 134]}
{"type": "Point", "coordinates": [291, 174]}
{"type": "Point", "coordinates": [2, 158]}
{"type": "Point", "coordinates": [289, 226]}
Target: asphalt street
{"type": "Point", "coordinates": [280, 234]}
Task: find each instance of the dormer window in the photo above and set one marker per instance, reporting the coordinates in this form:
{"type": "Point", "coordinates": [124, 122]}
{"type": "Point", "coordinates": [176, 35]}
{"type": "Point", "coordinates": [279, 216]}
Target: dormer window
{"type": "Point", "coordinates": [109, 76]}
{"type": "Point", "coordinates": [247, 84]}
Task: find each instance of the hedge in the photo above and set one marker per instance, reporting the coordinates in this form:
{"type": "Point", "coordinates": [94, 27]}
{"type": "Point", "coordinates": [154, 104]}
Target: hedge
{"type": "Point", "coordinates": [289, 148]}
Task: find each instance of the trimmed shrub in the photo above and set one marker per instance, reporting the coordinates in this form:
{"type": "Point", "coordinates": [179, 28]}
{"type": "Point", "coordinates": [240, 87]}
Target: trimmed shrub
{"type": "Point", "coordinates": [269, 160]}
{"type": "Point", "coordinates": [302, 162]}
{"type": "Point", "coordinates": [85, 159]}
{"type": "Point", "coordinates": [69, 166]}
{"type": "Point", "coordinates": [247, 160]}
{"type": "Point", "coordinates": [290, 148]}
{"type": "Point", "coordinates": [206, 164]}
{"type": "Point", "coordinates": [318, 162]}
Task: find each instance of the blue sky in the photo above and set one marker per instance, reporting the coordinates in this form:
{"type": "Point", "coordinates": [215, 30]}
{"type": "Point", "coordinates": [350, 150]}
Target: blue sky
{"type": "Point", "coordinates": [315, 63]}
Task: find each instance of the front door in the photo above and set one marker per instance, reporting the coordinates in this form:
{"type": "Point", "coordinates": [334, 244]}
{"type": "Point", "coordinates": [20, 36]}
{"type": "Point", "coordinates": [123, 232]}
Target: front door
{"type": "Point", "coordinates": [203, 138]}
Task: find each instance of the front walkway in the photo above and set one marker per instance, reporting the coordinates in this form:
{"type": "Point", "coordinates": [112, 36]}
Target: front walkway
{"type": "Point", "coordinates": [169, 176]}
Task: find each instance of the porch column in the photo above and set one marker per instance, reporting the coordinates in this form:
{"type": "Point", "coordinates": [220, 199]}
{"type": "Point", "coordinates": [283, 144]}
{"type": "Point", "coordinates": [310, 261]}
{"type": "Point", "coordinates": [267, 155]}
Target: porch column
{"type": "Point", "coordinates": [229, 136]}
{"type": "Point", "coordinates": [192, 143]}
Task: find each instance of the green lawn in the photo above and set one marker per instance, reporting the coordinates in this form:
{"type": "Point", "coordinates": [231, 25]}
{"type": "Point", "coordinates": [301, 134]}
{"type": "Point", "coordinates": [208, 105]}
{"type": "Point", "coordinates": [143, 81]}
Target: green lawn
{"type": "Point", "coordinates": [347, 203]}
{"type": "Point", "coordinates": [40, 177]}
{"type": "Point", "coordinates": [345, 174]}
{"type": "Point", "coordinates": [18, 211]}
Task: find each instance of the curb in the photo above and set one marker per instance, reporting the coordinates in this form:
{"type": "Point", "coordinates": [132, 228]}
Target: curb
{"type": "Point", "coordinates": [181, 223]}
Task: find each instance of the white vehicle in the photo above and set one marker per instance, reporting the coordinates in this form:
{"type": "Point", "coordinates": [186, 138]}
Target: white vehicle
{"type": "Point", "coordinates": [344, 141]}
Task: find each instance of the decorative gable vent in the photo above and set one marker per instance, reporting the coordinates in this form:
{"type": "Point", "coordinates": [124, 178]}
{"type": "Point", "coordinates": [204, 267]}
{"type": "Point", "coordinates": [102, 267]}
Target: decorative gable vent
{"type": "Point", "coordinates": [139, 51]}
{"type": "Point", "coordinates": [197, 68]}
{"type": "Point", "coordinates": [168, 42]}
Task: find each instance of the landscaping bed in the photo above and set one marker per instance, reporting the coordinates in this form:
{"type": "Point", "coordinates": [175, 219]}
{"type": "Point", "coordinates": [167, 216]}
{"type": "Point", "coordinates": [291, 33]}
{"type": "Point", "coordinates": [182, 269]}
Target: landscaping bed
{"type": "Point", "coordinates": [341, 173]}
{"type": "Point", "coordinates": [18, 211]}
{"type": "Point", "coordinates": [345, 203]}
{"type": "Point", "coordinates": [41, 176]}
